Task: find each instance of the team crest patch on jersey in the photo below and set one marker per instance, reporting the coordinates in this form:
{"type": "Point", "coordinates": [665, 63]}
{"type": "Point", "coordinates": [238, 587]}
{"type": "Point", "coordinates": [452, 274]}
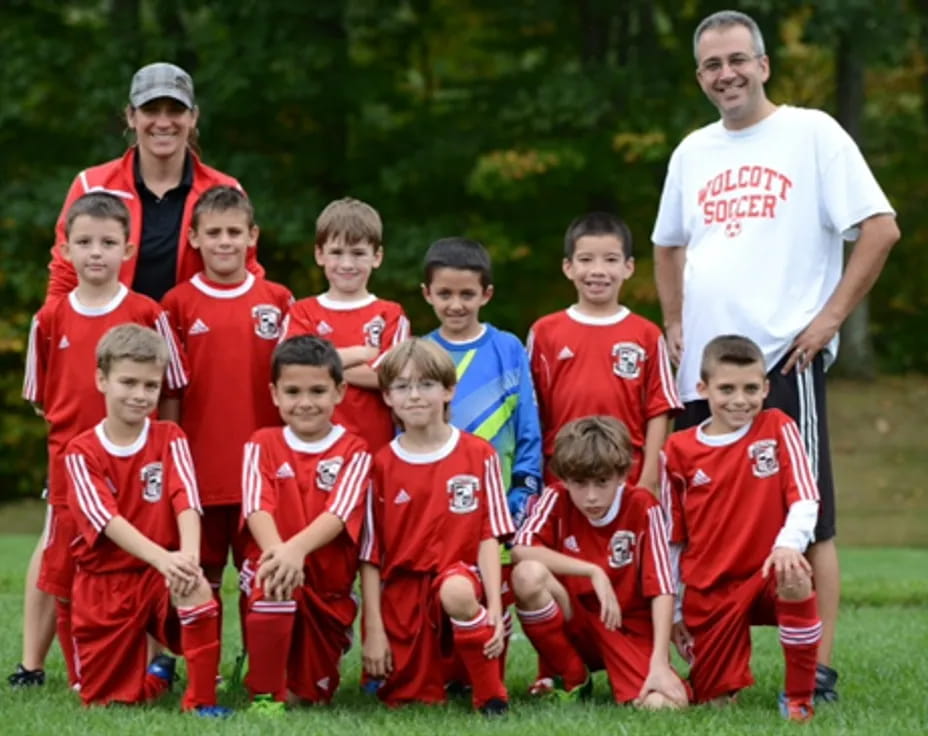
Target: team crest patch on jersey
{"type": "Point", "coordinates": [327, 473]}
{"type": "Point", "coordinates": [621, 548]}
{"type": "Point", "coordinates": [373, 331]}
{"type": "Point", "coordinates": [152, 475]}
{"type": "Point", "coordinates": [627, 359]}
{"type": "Point", "coordinates": [763, 454]}
{"type": "Point", "coordinates": [462, 490]}
{"type": "Point", "coordinates": [267, 319]}
{"type": "Point", "coordinates": [571, 545]}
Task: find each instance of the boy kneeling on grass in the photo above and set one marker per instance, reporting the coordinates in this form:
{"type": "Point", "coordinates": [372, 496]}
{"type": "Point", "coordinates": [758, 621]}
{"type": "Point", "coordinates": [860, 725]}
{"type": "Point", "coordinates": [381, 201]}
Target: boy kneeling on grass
{"type": "Point", "coordinates": [593, 582]}
{"type": "Point", "coordinates": [133, 492]}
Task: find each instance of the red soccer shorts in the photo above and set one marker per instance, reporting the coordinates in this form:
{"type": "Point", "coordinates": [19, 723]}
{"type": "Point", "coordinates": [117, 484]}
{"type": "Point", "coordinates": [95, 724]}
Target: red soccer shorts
{"type": "Point", "coordinates": [720, 621]}
{"type": "Point", "coordinates": [56, 574]}
{"type": "Point", "coordinates": [221, 530]}
{"type": "Point", "coordinates": [112, 614]}
{"type": "Point", "coordinates": [322, 633]}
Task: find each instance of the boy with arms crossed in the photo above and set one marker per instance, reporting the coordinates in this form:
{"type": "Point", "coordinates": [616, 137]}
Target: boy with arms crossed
{"type": "Point", "coordinates": [596, 357]}
{"type": "Point", "coordinates": [431, 572]}
{"type": "Point", "coordinates": [349, 246]}
{"type": "Point", "coordinates": [133, 494]}
{"type": "Point", "coordinates": [742, 503]}
{"type": "Point", "coordinates": [303, 492]}
{"type": "Point", "coordinates": [593, 582]}
{"type": "Point", "coordinates": [228, 321]}
{"type": "Point", "coordinates": [494, 397]}
{"type": "Point", "coordinates": [59, 377]}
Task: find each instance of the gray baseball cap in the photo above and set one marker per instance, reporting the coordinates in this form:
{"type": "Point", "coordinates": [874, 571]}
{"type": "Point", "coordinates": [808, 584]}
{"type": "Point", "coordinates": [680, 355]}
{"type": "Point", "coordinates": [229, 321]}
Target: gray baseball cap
{"type": "Point", "coordinates": [161, 80]}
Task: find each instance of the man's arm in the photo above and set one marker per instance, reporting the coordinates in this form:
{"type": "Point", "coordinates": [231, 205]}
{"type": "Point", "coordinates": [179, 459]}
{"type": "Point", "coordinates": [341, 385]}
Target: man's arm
{"type": "Point", "coordinates": [668, 275]}
{"type": "Point", "coordinates": [878, 234]}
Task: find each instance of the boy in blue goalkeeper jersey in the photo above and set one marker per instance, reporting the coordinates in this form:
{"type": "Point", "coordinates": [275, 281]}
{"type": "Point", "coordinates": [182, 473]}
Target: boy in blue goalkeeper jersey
{"type": "Point", "coordinates": [494, 398]}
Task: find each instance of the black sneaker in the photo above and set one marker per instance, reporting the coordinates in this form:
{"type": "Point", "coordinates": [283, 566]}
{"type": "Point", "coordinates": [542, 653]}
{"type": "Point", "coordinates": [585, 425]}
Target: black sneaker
{"type": "Point", "coordinates": [495, 707]}
{"type": "Point", "coordinates": [26, 678]}
{"type": "Point", "coordinates": [164, 667]}
{"type": "Point", "coordinates": [826, 684]}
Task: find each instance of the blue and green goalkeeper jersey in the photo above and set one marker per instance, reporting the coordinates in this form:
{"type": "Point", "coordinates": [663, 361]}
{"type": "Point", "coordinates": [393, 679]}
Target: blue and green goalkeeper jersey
{"type": "Point", "coordinates": [495, 400]}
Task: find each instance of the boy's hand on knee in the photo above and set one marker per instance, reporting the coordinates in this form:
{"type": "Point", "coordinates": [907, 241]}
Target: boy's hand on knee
{"type": "Point", "coordinates": [789, 566]}
{"type": "Point", "coordinates": [662, 679]}
{"type": "Point", "coordinates": [178, 568]}
{"type": "Point", "coordinates": [683, 641]}
{"type": "Point", "coordinates": [280, 569]}
{"type": "Point", "coordinates": [610, 613]}
{"type": "Point", "coordinates": [496, 643]}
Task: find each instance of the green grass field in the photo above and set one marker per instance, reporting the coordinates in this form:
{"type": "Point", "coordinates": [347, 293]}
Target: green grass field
{"type": "Point", "coordinates": [880, 653]}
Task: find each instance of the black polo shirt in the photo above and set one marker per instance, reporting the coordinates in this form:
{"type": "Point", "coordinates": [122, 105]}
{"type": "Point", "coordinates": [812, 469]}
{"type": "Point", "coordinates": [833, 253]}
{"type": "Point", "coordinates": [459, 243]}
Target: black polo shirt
{"type": "Point", "coordinates": [156, 270]}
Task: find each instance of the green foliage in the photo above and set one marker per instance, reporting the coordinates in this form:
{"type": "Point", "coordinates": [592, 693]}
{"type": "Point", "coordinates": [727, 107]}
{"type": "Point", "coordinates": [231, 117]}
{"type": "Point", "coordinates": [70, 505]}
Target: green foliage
{"type": "Point", "coordinates": [500, 120]}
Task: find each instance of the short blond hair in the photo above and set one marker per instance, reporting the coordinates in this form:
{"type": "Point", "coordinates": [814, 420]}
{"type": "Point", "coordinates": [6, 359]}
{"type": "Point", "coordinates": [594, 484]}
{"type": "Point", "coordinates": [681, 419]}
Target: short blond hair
{"type": "Point", "coordinates": [131, 342]}
{"type": "Point", "coordinates": [592, 447]}
{"type": "Point", "coordinates": [350, 220]}
{"type": "Point", "coordinates": [429, 359]}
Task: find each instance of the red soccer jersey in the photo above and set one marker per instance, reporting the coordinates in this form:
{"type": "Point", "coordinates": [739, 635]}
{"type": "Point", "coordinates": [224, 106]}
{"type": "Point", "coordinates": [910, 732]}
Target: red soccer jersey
{"type": "Point", "coordinates": [61, 361]}
{"type": "Point", "coordinates": [228, 334]}
{"type": "Point", "coordinates": [295, 481]}
{"type": "Point", "coordinates": [617, 366]}
{"type": "Point", "coordinates": [147, 483]}
{"type": "Point", "coordinates": [727, 496]}
{"type": "Point", "coordinates": [431, 510]}
{"type": "Point", "coordinates": [370, 321]}
{"type": "Point", "coordinates": [629, 543]}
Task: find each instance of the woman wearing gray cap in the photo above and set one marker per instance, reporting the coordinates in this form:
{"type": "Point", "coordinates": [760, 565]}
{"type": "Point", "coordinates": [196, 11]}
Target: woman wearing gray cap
{"type": "Point", "coordinates": [159, 178]}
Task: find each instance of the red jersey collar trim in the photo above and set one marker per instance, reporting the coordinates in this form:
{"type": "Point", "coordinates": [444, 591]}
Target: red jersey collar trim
{"type": "Point", "coordinates": [313, 448]}
{"type": "Point", "coordinates": [223, 291]}
{"type": "Point", "coordinates": [722, 440]}
{"type": "Point", "coordinates": [585, 319]}
{"type": "Point", "coordinates": [424, 458]}
{"type": "Point", "coordinates": [613, 511]}
{"type": "Point", "coordinates": [329, 303]}
{"type": "Point", "coordinates": [111, 305]}
{"type": "Point", "coordinates": [123, 450]}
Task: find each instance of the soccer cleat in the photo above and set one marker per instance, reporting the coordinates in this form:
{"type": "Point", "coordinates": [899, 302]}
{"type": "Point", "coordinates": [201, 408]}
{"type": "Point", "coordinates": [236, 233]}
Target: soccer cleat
{"type": "Point", "coordinates": [541, 687]}
{"type": "Point", "coordinates": [212, 711]}
{"type": "Point", "coordinates": [826, 684]}
{"type": "Point", "coordinates": [793, 709]}
{"type": "Point", "coordinates": [495, 707]}
{"type": "Point", "coordinates": [265, 705]}
{"type": "Point", "coordinates": [583, 691]}
{"type": "Point", "coordinates": [163, 667]}
{"type": "Point", "coordinates": [371, 686]}
{"type": "Point", "coordinates": [457, 689]}
{"type": "Point", "coordinates": [22, 677]}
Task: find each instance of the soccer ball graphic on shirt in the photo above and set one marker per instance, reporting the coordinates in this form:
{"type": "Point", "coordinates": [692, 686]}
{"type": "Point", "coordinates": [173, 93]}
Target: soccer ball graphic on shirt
{"type": "Point", "coordinates": [733, 228]}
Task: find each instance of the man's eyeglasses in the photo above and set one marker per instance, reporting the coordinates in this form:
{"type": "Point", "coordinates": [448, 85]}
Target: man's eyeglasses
{"type": "Point", "coordinates": [737, 62]}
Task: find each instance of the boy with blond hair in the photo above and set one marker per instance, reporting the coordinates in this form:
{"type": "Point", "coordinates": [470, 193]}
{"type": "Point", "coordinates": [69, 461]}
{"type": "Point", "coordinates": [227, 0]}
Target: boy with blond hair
{"type": "Point", "coordinates": [593, 582]}
{"type": "Point", "coordinates": [59, 380]}
{"type": "Point", "coordinates": [349, 247]}
{"type": "Point", "coordinates": [133, 494]}
{"type": "Point", "coordinates": [742, 503]}
{"type": "Point", "coordinates": [431, 575]}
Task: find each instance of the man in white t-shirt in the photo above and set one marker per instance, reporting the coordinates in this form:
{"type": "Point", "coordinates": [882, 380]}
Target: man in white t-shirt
{"type": "Point", "coordinates": [749, 240]}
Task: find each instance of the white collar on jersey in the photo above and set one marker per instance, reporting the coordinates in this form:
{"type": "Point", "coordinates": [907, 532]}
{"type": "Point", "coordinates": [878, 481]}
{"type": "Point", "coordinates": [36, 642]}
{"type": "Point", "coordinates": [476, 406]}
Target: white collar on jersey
{"type": "Point", "coordinates": [313, 448]}
{"type": "Point", "coordinates": [235, 291]}
{"type": "Point", "coordinates": [123, 450]}
{"type": "Point", "coordinates": [468, 341]}
{"type": "Point", "coordinates": [613, 511]}
{"type": "Point", "coordinates": [329, 303]}
{"type": "Point", "coordinates": [424, 458]}
{"type": "Point", "coordinates": [576, 315]}
{"type": "Point", "coordinates": [721, 440]}
{"type": "Point", "coordinates": [86, 311]}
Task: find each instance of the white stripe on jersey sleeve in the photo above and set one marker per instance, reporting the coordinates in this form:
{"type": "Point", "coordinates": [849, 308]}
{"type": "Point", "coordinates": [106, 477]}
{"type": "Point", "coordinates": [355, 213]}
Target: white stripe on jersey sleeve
{"type": "Point", "coordinates": [175, 370]}
{"type": "Point", "coordinates": [183, 462]}
{"type": "Point", "coordinates": [88, 498]}
{"type": "Point", "coordinates": [668, 384]}
{"type": "Point", "coordinates": [660, 551]}
{"type": "Point", "coordinates": [31, 378]}
{"type": "Point", "coordinates": [368, 532]}
{"type": "Point", "coordinates": [799, 460]}
{"type": "Point", "coordinates": [351, 485]}
{"type": "Point", "coordinates": [500, 521]}
{"type": "Point", "coordinates": [666, 495]}
{"type": "Point", "coordinates": [538, 518]}
{"type": "Point", "coordinates": [251, 479]}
